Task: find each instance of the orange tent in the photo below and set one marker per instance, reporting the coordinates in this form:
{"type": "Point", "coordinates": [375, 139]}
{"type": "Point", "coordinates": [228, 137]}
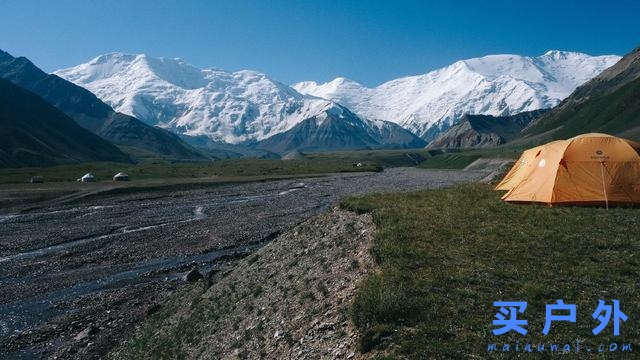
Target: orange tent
{"type": "Point", "coordinates": [521, 168]}
{"type": "Point", "coordinates": [635, 145]}
{"type": "Point", "coordinates": [587, 169]}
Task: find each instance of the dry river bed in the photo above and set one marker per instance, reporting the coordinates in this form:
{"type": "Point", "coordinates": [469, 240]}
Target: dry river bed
{"type": "Point", "coordinates": [76, 277]}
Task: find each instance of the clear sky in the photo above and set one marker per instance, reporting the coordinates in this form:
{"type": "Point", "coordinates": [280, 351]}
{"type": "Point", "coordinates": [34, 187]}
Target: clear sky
{"type": "Point", "coordinates": [368, 41]}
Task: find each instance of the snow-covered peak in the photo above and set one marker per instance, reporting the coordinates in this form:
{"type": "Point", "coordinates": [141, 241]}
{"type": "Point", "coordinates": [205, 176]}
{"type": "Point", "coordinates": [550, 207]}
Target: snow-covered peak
{"type": "Point", "coordinates": [494, 66]}
{"type": "Point", "coordinates": [559, 54]}
{"type": "Point", "coordinates": [226, 106]}
{"type": "Point", "coordinates": [495, 84]}
{"type": "Point", "coordinates": [337, 85]}
{"type": "Point", "coordinates": [138, 68]}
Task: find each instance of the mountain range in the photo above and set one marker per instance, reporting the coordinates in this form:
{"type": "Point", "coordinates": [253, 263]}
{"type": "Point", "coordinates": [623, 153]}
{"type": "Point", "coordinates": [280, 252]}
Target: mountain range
{"type": "Point", "coordinates": [232, 107]}
{"type": "Point", "coordinates": [247, 106]}
{"type": "Point", "coordinates": [608, 103]}
{"type": "Point", "coordinates": [498, 85]}
{"type": "Point", "coordinates": [244, 107]}
{"type": "Point", "coordinates": [167, 107]}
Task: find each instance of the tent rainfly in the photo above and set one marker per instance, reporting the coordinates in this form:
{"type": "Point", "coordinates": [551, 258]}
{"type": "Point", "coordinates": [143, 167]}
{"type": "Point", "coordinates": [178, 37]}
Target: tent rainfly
{"type": "Point", "coordinates": [587, 169]}
{"type": "Point", "coordinates": [521, 168]}
{"type": "Point", "coordinates": [88, 177]}
{"type": "Point", "coordinates": [120, 177]}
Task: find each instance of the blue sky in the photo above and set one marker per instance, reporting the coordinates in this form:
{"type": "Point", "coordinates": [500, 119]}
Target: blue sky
{"type": "Point", "coordinates": [367, 41]}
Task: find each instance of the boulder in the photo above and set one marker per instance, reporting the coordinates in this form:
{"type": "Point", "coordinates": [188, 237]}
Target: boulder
{"type": "Point", "coordinates": [192, 276]}
{"type": "Point", "coordinates": [88, 331]}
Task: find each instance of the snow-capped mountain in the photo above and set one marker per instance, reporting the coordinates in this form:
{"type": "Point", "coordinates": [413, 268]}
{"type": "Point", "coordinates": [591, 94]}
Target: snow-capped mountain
{"type": "Point", "coordinates": [498, 85]}
{"type": "Point", "coordinates": [226, 106]}
{"type": "Point", "coordinates": [246, 105]}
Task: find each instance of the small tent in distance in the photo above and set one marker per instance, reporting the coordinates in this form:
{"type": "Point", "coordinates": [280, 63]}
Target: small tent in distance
{"type": "Point", "coordinates": [586, 169]}
{"type": "Point", "coordinates": [36, 180]}
{"type": "Point", "coordinates": [88, 177]}
{"type": "Point", "coordinates": [121, 177]}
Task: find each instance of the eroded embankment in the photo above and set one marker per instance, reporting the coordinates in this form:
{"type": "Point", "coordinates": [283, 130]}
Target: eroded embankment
{"type": "Point", "coordinates": [290, 300]}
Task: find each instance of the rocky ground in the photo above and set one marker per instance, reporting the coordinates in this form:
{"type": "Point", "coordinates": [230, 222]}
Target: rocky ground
{"type": "Point", "coordinates": [289, 300]}
{"type": "Point", "coordinates": [79, 273]}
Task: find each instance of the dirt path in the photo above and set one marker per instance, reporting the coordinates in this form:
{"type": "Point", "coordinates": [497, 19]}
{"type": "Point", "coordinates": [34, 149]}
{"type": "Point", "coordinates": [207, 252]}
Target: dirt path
{"type": "Point", "coordinates": [102, 264]}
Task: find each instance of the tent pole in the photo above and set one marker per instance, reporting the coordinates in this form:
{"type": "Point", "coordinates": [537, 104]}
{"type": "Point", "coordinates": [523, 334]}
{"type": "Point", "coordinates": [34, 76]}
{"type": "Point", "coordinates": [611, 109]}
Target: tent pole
{"type": "Point", "coordinates": [604, 188]}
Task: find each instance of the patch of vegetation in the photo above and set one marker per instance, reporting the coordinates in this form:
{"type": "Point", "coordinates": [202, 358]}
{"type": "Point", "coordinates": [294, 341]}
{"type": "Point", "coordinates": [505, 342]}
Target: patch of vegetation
{"type": "Point", "coordinates": [449, 161]}
{"type": "Point", "coordinates": [104, 171]}
{"type": "Point", "coordinates": [375, 336]}
{"type": "Point", "coordinates": [252, 259]}
{"type": "Point", "coordinates": [310, 164]}
{"type": "Point", "coordinates": [382, 158]}
{"type": "Point", "coordinates": [257, 291]}
{"type": "Point", "coordinates": [158, 168]}
{"type": "Point", "coordinates": [503, 152]}
{"type": "Point", "coordinates": [446, 255]}
{"type": "Point", "coordinates": [169, 346]}
{"type": "Point", "coordinates": [354, 264]}
{"type": "Point", "coordinates": [322, 288]}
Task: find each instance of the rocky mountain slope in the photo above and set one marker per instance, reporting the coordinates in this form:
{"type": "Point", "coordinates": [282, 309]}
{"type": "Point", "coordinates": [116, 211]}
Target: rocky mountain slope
{"type": "Point", "coordinates": [91, 113]}
{"type": "Point", "coordinates": [223, 150]}
{"type": "Point", "coordinates": [497, 85]}
{"type": "Point", "coordinates": [482, 131]}
{"type": "Point", "coordinates": [35, 133]}
{"type": "Point", "coordinates": [337, 128]}
{"type": "Point", "coordinates": [608, 103]}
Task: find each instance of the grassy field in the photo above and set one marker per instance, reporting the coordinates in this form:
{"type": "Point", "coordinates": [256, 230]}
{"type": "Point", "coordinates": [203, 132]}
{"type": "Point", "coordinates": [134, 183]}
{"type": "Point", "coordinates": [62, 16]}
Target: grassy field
{"type": "Point", "coordinates": [460, 159]}
{"type": "Point", "coordinates": [449, 161]}
{"type": "Point", "coordinates": [168, 170]}
{"type": "Point", "coordinates": [311, 163]}
{"type": "Point", "coordinates": [384, 158]}
{"type": "Point", "coordinates": [446, 255]}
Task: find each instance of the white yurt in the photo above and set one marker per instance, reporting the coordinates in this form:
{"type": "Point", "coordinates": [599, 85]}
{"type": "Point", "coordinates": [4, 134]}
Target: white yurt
{"type": "Point", "coordinates": [88, 177]}
{"type": "Point", "coordinates": [120, 177]}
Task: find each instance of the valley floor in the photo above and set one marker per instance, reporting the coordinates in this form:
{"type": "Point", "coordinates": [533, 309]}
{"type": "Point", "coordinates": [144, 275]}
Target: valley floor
{"type": "Point", "coordinates": [413, 275]}
{"type": "Point", "coordinates": [78, 272]}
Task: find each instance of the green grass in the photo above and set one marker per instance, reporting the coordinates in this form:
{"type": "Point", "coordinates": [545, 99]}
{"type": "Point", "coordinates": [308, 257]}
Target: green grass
{"type": "Point", "coordinates": [383, 158]}
{"type": "Point", "coordinates": [312, 163]}
{"type": "Point", "coordinates": [449, 161]}
{"type": "Point", "coordinates": [446, 255]}
{"type": "Point", "coordinates": [504, 152]}
{"type": "Point", "coordinates": [459, 159]}
{"type": "Point", "coordinates": [169, 170]}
